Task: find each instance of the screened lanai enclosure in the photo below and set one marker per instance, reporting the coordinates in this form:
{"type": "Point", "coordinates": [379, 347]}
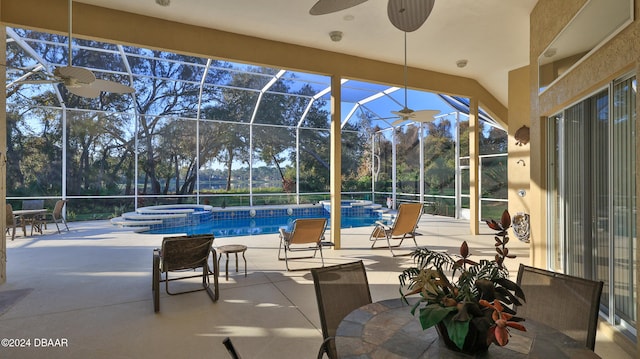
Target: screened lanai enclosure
{"type": "Point", "coordinates": [207, 131]}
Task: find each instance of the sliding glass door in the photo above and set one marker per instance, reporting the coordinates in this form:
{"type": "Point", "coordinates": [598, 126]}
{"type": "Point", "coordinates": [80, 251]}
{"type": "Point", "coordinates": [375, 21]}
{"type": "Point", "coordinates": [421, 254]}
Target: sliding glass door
{"type": "Point", "coordinates": [592, 195]}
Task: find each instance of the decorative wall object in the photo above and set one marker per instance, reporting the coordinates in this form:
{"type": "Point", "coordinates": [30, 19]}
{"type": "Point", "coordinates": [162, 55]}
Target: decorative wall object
{"type": "Point", "coordinates": [522, 136]}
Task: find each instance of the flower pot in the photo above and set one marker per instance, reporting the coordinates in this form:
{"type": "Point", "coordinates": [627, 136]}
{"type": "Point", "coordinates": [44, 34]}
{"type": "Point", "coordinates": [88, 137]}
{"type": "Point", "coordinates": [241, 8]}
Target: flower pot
{"type": "Point", "coordinates": [475, 341]}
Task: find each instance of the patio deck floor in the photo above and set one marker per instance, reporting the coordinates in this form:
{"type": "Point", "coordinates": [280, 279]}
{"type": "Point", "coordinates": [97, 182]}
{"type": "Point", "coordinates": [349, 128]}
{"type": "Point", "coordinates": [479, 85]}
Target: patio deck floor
{"type": "Point", "coordinates": [91, 288]}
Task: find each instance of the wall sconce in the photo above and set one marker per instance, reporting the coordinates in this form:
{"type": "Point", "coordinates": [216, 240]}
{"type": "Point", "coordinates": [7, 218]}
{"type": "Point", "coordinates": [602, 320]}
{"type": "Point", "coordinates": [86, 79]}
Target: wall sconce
{"type": "Point", "coordinates": [522, 136]}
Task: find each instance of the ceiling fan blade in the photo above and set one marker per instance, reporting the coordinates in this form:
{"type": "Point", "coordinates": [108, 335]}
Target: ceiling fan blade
{"type": "Point", "coordinates": [323, 7]}
{"type": "Point", "coordinates": [399, 121]}
{"type": "Point", "coordinates": [75, 74]}
{"type": "Point", "coordinates": [111, 86]}
{"type": "Point", "coordinates": [425, 115]}
{"type": "Point", "coordinates": [404, 113]}
{"type": "Point", "coordinates": [422, 116]}
{"type": "Point", "coordinates": [36, 82]}
{"type": "Point", "coordinates": [84, 91]}
{"type": "Point", "coordinates": [409, 15]}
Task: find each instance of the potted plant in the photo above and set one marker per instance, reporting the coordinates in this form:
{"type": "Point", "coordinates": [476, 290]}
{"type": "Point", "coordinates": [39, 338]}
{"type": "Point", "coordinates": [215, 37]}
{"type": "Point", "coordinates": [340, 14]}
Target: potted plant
{"type": "Point", "coordinates": [473, 307]}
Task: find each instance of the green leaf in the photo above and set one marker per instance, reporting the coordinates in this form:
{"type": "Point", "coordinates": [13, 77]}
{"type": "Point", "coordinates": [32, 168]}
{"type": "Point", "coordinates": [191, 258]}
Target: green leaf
{"type": "Point", "coordinates": [432, 314]}
{"type": "Point", "coordinates": [457, 330]}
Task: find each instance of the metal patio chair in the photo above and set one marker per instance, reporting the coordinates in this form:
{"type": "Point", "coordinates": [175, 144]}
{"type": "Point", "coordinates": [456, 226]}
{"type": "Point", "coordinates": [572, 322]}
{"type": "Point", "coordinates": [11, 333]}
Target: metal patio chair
{"type": "Point", "coordinates": [307, 235]}
{"type": "Point", "coordinates": [39, 221]}
{"type": "Point", "coordinates": [184, 253]}
{"type": "Point", "coordinates": [13, 222]}
{"type": "Point", "coordinates": [404, 226]}
{"type": "Point", "coordinates": [57, 215]}
{"type": "Point", "coordinates": [340, 289]}
{"type": "Point", "coordinates": [567, 303]}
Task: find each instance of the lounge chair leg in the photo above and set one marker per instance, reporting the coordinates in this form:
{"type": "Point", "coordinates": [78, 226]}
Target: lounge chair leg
{"type": "Point", "coordinates": [390, 247]}
{"type": "Point", "coordinates": [216, 271]}
{"type": "Point", "coordinates": [156, 283]}
{"type": "Point", "coordinates": [286, 259]}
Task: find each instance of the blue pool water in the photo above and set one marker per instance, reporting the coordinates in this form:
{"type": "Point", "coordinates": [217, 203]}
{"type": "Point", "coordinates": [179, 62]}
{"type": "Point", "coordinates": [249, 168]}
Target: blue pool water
{"type": "Point", "coordinates": [253, 226]}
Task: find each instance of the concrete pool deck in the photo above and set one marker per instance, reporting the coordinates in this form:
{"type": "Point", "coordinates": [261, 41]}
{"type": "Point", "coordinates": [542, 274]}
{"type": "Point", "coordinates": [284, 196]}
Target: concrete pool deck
{"type": "Point", "coordinates": [92, 287]}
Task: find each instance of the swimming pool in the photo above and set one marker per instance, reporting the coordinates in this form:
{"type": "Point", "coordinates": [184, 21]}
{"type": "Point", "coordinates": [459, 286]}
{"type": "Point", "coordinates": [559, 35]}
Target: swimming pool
{"type": "Point", "coordinates": [254, 226]}
{"type": "Point", "coordinates": [241, 221]}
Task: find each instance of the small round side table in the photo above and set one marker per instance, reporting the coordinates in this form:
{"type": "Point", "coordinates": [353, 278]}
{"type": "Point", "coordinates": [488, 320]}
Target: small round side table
{"type": "Point", "coordinates": [235, 249]}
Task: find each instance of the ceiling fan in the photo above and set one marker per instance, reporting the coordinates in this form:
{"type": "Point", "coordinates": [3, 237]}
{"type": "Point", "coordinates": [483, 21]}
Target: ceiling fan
{"type": "Point", "coordinates": [406, 15]}
{"type": "Point", "coordinates": [80, 81]}
{"type": "Point", "coordinates": [407, 114]}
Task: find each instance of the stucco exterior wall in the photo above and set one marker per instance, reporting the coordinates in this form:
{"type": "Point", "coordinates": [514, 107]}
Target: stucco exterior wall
{"type": "Point", "coordinates": [519, 154]}
{"type": "Point", "coordinates": [620, 55]}
{"type": "Point", "coordinates": [615, 58]}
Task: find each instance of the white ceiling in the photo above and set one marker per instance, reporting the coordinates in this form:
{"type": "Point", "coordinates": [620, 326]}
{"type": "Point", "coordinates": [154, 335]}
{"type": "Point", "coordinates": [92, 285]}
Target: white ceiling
{"type": "Point", "coordinates": [493, 35]}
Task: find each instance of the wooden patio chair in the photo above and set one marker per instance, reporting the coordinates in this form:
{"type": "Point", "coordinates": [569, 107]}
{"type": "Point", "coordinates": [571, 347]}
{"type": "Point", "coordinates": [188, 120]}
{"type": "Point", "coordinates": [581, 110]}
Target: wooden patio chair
{"type": "Point", "coordinates": [307, 235]}
{"type": "Point", "coordinates": [184, 253]}
{"type": "Point", "coordinates": [13, 222]}
{"type": "Point", "coordinates": [57, 214]}
{"type": "Point", "coordinates": [566, 303]}
{"type": "Point", "coordinates": [37, 222]}
{"type": "Point", "coordinates": [340, 289]}
{"type": "Point", "coordinates": [404, 226]}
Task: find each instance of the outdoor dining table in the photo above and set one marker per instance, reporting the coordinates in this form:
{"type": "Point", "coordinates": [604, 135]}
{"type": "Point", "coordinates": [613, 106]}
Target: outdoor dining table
{"type": "Point", "coordinates": [27, 216]}
{"type": "Point", "coordinates": [387, 329]}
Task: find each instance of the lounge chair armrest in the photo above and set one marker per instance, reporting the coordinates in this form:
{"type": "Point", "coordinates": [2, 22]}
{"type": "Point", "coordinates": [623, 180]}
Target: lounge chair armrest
{"type": "Point", "coordinates": [382, 225]}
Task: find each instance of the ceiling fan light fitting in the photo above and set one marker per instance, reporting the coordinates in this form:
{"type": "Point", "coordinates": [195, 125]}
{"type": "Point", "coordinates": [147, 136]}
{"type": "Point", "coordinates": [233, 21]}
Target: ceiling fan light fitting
{"type": "Point", "coordinates": [461, 63]}
{"type": "Point", "coordinates": [163, 2]}
{"type": "Point", "coordinates": [335, 36]}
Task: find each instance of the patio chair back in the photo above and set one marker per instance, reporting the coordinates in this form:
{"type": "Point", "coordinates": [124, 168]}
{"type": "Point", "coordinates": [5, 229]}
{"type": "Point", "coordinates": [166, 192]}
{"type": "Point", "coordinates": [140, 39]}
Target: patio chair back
{"type": "Point", "coordinates": [566, 303]}
{"type": "Point", "coordinates": [57, 215]}
{"type": "Point", "coordinates": [340, 289]}
{"type": "Point", "coordinates": [307, 230]}
{"type": "Point", "coordinates": [11, 219]}
{"type": "Point", "coordinates": [407, 219]}
{"type": "Point", "coordinates": [33, 204]}
{"type": "Point", "coordinates": [404, 226]}
{"type": "Point", "coordinates": [307, 235]}
{"type": "Point", "coordinates": [184, 253]}
{"type": "Point", "coordinates": [12, 222]}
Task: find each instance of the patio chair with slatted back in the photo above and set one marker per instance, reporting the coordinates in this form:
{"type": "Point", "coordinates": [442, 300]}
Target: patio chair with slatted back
{"type": "Point", "coordinates": [307, 235]}
{"type": "Point", "coordinates": [340, 289]}
{"type": "Point", "coordinates": [58, 216]}
{"type": "Point", "coordinates": [566, 303]}
{"type": "Point", "coordinates": [184, 253]}
{"type": "Point", "coordinates": [404, 226]}
{"type": "Point", "coordinates": [39, 221]}
{"type": "Point", "coordinates": [13, 222]}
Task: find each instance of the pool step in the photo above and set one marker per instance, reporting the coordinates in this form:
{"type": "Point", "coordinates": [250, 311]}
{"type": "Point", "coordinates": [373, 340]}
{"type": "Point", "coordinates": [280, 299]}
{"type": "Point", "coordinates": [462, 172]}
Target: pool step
{"type": "Point", "coordinates": [135, 224]}
{"type": "Point", "coordinates": [135, 216]}
{"type": "Point", "coordinates": [146, 218]}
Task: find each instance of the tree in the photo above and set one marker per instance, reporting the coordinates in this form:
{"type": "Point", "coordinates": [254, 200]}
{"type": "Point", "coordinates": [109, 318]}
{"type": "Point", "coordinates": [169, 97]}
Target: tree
{"type": "Point", "coordinates": [439, 157]}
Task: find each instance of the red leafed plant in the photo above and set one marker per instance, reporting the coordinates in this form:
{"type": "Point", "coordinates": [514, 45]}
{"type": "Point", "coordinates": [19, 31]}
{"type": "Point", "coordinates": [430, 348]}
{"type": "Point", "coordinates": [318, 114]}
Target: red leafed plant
{"type": "Point", "coordinates": [477, 294]}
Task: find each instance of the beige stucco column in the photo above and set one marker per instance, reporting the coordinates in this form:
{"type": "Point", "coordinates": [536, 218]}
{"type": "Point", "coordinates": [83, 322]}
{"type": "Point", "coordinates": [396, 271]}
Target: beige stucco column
{"type": "Point", "coordinates": [3, 160]}
{"type": "Point", "coordinates": [474, 167]}
{"type": "Point", "coordinates": [336, 160]}
{"type": "Point", "coordinates": [519, 161]}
